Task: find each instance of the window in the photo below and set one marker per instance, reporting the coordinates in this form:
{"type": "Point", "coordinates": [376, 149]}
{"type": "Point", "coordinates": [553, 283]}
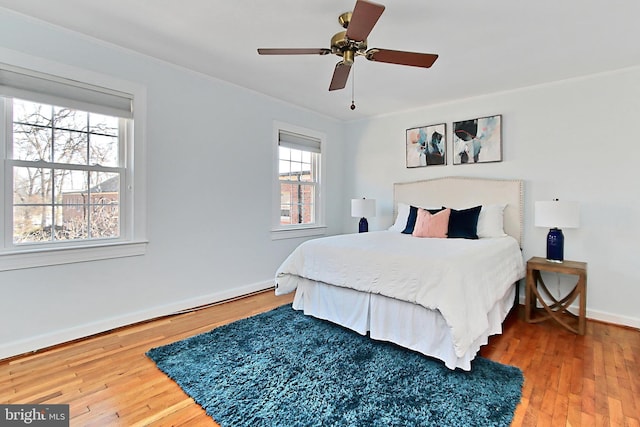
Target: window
{"type": "Point", "coordinates": [298, 192]}
{"type": "Point", "coordinates": [66, 173]}
{"type": "Point", "coordinates": [67, 158]}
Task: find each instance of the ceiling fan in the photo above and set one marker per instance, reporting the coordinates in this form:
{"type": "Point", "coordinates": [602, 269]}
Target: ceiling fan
{"type": "Point", "coordinates": [353, 42]}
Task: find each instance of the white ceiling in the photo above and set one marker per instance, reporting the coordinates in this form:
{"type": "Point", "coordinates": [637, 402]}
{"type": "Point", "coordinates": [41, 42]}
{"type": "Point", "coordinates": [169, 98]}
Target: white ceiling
{"type": "Point", "coordinates": [484, 46]}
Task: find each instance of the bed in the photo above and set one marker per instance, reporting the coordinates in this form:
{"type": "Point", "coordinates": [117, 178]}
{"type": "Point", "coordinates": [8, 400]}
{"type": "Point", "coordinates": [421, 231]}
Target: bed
{"type": "Point", "coordinates": [442, 297]}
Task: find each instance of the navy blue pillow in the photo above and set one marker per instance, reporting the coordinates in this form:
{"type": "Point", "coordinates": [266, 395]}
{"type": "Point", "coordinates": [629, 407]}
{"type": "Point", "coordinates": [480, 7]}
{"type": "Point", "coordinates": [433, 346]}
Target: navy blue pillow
{"type": "Point", "coordinates": [411, 220]}
{"type": "Point", "coordinates": [413, 215]}
{"type": "Point", "coordinates": [463, 224]}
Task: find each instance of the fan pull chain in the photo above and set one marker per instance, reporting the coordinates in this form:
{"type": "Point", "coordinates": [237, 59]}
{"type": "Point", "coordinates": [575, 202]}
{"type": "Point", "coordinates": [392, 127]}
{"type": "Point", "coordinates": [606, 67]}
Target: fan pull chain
{"type": "Point", "coordinates": [353, 84]}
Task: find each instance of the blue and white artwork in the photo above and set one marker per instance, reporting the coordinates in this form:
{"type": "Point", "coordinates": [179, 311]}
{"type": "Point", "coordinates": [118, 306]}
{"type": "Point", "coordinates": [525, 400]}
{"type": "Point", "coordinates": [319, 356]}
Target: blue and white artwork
{"type": "Point", "coordinates": [477, 140]}
{"type": "Point", "coordinates": [426, 146]}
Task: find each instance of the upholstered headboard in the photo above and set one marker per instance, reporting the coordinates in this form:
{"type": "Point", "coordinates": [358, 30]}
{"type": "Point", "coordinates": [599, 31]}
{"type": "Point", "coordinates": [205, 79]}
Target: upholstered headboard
{"type": "Point", "coordinates": [462, 192]}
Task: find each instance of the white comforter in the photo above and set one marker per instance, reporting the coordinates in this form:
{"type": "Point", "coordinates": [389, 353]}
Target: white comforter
{"type": "Point", "coordinates": [461, 278]}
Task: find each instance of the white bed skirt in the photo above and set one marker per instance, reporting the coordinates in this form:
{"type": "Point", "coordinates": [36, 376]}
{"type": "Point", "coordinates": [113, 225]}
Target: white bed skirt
{"type": "Point", "coordinates": [388, 319]}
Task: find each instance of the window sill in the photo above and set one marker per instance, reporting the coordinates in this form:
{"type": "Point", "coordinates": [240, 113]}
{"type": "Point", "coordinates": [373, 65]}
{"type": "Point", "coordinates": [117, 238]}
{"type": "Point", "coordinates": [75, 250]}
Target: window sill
{"type": "Point", "coordinates": [293, 233]}
{"type": "Point", "coordinates": [31, 258]}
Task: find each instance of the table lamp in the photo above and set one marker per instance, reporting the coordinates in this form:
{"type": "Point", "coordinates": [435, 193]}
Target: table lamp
{"type": "Point", "coordinates": [556, 215]}
{"type": "Point", "coordinates": [363, 208]}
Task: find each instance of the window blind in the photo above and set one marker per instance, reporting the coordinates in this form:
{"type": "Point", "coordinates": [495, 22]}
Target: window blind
{"type": "Point", "coordinates": [32, 85]}
{"type": "Point", "coordinates": [298, 142]}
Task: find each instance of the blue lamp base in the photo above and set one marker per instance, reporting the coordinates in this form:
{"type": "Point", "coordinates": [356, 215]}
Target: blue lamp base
{"type": "Point", "coordinates": [363, 226]}
{"type": "Point", "coordinates": [555, 245]}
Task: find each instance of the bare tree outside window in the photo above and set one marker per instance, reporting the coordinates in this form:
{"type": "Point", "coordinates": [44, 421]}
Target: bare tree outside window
{"type": "Point", "coordinates": [66, 174]}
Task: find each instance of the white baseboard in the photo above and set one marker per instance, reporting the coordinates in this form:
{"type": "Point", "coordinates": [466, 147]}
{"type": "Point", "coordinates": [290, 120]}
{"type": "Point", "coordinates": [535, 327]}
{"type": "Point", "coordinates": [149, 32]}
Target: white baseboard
{"type": "Point", "coordinates": [35, 343]}
{"type": "Point", "coordinates": [613, 318]}
{"type": "Point", "coordinates": [601, 316]}
{"type": "Point", "coordinates": [38, 342]}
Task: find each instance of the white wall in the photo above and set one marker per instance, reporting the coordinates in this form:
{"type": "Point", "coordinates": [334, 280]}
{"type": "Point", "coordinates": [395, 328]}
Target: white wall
{"type": "Point", "coordinates": [209, 148]}
{"type": "Point", "coordinates": [574, 140]}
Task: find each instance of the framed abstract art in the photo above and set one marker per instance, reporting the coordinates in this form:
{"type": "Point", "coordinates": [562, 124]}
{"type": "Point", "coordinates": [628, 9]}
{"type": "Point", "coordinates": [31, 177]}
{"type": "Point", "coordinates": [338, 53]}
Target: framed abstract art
{"type": "Point", "coordinates": [477, 140]}
{"type": "Point", "coordinates": [426, 146]}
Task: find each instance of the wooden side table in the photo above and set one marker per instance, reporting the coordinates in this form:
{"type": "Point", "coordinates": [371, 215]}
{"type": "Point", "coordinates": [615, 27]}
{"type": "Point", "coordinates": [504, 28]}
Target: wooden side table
{"type": "Point", "coordinates": [557, 308]}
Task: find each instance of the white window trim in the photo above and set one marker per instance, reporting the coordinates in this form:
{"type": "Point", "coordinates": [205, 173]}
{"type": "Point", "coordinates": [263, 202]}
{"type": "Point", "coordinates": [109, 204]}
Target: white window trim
{"type": "Point", "coordinates": [318, 228]}
{"type": "Point", "coordinates": [134, 228]}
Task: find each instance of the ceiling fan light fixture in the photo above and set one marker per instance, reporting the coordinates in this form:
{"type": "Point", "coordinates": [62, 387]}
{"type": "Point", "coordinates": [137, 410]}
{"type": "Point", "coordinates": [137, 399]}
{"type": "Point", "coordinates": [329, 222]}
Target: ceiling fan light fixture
{"type": "Point", "coordinates": [353, 42]}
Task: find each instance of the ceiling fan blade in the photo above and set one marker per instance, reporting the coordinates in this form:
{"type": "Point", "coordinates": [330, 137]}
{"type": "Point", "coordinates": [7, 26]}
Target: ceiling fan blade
{"type": "Point", "coordinates": [414, 59]}
{"type": "Point", "coordinates": [340, 76]}
{"type": "Point", "coordinates": [294, 51]}
{"type": "Point", "coordinates": [364, 17]}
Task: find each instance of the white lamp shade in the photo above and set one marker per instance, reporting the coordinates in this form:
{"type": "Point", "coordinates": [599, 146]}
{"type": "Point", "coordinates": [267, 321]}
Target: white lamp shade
{"type": "Point", "coordinates": [557, 214]}
{"type": "Point", "coordinates": [363, 208]}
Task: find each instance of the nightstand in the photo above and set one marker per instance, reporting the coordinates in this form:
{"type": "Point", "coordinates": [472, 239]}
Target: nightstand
{"type": "Point", "coordinates": [556, 309]}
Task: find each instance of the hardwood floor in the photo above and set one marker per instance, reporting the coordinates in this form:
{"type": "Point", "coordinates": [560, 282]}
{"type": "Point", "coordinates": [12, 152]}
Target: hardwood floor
{"type": "Point", "coordinates": [570, 380]}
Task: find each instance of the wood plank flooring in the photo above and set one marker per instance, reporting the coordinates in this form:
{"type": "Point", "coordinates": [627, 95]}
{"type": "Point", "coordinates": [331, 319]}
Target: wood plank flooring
{"type": "Point", "coordinates": [570, 380]}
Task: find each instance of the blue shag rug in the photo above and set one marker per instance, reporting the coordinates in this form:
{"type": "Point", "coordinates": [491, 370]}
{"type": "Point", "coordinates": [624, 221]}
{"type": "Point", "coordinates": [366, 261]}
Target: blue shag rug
{"type": "Point", "coordinates": [282, 368]}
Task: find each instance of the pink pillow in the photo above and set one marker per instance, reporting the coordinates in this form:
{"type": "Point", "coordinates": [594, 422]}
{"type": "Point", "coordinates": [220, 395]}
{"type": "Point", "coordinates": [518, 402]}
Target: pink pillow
{"type": "Point", "coordinates": [428, 225]}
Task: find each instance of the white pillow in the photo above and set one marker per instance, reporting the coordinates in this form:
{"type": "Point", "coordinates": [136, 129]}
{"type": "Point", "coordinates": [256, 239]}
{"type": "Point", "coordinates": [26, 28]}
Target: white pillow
{"type": "Point", "coordinates": [491, 221]}
{"type": "Point", "coordinates": [401, 218]}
